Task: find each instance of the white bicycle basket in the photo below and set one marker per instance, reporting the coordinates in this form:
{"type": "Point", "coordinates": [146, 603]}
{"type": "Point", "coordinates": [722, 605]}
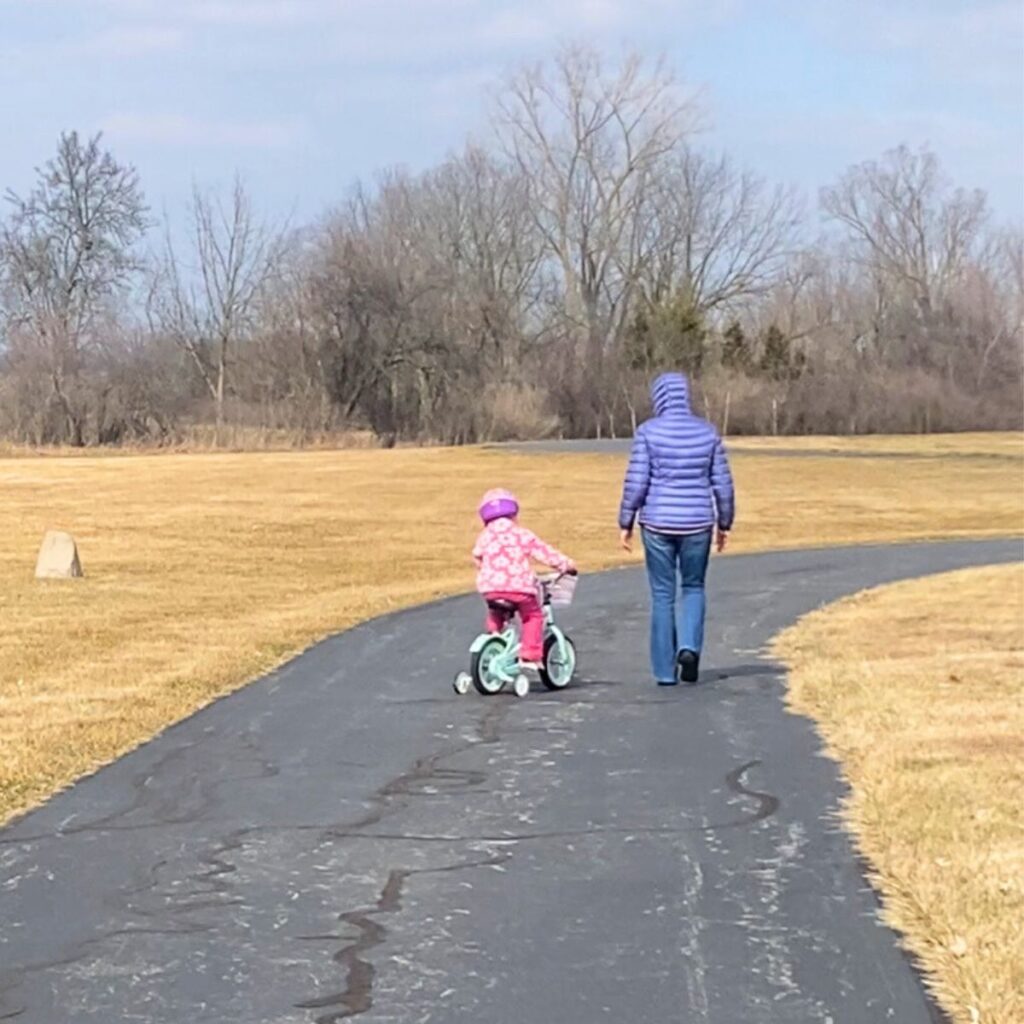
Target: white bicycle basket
{"type": "Point", "coordinates": [560, 589]}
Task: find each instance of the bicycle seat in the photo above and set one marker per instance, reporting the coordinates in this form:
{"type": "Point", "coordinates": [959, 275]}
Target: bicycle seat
{"type": "Point", "coordinates": [501, 605]}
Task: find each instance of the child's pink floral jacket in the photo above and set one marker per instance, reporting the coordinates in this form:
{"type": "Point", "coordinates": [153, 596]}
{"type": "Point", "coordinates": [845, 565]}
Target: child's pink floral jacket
{"type": "Point", "coordinates": [502, 554]}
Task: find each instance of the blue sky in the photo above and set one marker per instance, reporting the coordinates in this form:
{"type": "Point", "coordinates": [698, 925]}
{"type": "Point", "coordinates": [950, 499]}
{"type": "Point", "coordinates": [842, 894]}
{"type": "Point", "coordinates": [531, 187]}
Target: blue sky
{"type": "Point", "coordinates": [304, 96]}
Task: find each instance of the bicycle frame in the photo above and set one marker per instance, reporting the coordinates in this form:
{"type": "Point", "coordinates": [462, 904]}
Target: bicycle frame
{"type": "Point", "coordinates": [505, 666]}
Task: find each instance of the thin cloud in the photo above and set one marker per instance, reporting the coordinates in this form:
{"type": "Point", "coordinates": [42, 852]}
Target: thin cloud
{"type": "Point", "coordinates": [980, 43]}
{"type": "Point", "coordinates": [120, 43]}
{"type": "Point", "coordinates": [257, 13]}
{"type": "Point", "coordinates": [182, 130]}
{"type": "Point", "coordinates": [129, 42]}
{"type": "Point", "coordinates": [406, 34]}
{"type": "Point", "coordinates": [409, 78]}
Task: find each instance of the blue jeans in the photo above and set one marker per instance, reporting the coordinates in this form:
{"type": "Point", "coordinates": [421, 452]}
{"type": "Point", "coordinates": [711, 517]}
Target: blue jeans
{"type": "Point", "coordinates": [675, 627]}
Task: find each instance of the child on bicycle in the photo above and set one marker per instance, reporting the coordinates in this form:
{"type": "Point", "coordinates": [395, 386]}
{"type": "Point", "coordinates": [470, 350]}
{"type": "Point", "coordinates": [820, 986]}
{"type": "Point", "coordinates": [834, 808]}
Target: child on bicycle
{"type": "Point", "coordinates": [503, 554]}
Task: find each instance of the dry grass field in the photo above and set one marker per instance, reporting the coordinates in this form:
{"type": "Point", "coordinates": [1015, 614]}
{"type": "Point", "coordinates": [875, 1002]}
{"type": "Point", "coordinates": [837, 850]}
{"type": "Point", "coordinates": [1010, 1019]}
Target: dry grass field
{"type": "Point", "coordinates": [1008, 445]}
{"type": "Point", "coordinates": [918, 689]}
{"type": "Point", "coordinates": [205, 570]}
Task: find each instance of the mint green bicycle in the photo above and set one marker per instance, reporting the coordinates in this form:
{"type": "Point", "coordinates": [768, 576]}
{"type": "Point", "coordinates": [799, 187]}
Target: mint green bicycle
{"type": "Point", "coordinates": [494, 657]}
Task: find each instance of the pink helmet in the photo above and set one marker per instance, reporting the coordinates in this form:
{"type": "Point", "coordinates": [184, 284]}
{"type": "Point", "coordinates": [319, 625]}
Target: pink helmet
{"type": "Point", "coordinates": [498, 504]}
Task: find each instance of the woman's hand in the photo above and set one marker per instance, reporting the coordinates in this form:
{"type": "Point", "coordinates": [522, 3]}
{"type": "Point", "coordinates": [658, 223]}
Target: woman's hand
{"type": "Point", "coordinates": [626, 540]}
{"type": "Point", "coordinates": [721, 539]}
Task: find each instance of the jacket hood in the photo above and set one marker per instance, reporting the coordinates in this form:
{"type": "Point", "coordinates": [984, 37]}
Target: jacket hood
{"type": "Point", "coordinates": [671, 393]}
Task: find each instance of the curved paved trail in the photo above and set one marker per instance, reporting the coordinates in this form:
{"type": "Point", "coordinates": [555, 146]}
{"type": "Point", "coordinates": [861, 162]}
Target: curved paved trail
{"type": "Point", "coordinates": [346, 839]}
{"type": "Point", "coordinates": [621, 446]}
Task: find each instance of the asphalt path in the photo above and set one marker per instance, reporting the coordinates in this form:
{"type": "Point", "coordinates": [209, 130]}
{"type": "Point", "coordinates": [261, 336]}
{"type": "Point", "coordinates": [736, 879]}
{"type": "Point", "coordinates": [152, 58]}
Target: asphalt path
{"type": "Point", "coordinates": [347, 839]}
{"type": "Point", "coordinates": [621, 446]}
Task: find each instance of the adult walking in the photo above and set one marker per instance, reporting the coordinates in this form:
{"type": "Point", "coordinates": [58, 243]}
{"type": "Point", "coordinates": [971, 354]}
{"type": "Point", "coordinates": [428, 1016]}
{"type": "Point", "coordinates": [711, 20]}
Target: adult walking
{"type": "Point", "coordinates": [679, 488]}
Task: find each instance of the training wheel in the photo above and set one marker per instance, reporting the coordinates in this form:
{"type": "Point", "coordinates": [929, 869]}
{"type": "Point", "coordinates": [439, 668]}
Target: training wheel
{"type": "Point", "coordinates": [521, 686]}
{"type": "Point", "coordinates": [461, 683]}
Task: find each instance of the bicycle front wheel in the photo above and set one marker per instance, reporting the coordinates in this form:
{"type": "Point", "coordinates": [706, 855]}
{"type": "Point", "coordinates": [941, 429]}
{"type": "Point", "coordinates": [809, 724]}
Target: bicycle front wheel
{"type": "Point", "coordinates": [559, 662]}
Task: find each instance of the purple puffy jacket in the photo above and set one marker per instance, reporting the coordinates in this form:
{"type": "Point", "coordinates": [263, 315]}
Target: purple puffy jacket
{"type": "Point", "coordinates": [678, 476]}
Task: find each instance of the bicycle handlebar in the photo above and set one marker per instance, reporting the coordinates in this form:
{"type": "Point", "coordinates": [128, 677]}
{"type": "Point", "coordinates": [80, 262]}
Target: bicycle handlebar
{"type": "Point", "coordinates": [554, 577]}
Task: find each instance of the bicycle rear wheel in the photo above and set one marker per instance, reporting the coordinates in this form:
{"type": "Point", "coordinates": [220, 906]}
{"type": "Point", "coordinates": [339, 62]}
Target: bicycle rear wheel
{"type": "Point", "coordinates": [485, 664]}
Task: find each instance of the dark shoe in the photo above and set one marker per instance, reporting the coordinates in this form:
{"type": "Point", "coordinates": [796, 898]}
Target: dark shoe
{"type": "Point", "coordinates": [687, 666]}
{"type": "Point", "coordinates": [666, 682]}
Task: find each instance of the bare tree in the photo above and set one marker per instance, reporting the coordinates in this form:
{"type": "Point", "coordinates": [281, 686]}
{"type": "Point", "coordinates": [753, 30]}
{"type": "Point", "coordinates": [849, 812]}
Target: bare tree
{"type": "Point", "coordinates": [483, 233]}
{"type": "Point", "coordinates": [285, 372]}
{"type": "Point", "coordinates": [67, 251]}
{"type": "Point", "coordinates": [985, 311]}
{"type": "Point", "coordinates": [589, 142]}
{"type": "Point", "coordinates": [906, 222]}
{"type": "Point", "coordinates": [720, 236]}
{"type": "Point", "coordinates": [935, 291]}
{"type": "Point", "coordinates": [429, 295]}
{"type": "Point", "coordinates": [208, 306]}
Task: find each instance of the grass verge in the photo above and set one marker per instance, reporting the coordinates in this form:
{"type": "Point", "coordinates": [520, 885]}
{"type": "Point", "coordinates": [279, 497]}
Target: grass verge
{"type": "Point", "coordinates": [203, 571]}
{"type": "Point", "coordinates": [918, 689]}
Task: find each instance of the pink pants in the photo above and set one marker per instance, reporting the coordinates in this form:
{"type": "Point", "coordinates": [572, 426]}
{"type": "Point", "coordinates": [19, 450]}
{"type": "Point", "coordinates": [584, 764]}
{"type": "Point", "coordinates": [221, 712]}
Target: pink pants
{"type": "Point", "coordinates": [531, 615]}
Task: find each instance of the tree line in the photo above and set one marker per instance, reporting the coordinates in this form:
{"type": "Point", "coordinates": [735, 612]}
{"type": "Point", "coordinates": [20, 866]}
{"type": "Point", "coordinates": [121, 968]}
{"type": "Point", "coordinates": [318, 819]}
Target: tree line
{"type": "Point", "coordinates": [524, 287]}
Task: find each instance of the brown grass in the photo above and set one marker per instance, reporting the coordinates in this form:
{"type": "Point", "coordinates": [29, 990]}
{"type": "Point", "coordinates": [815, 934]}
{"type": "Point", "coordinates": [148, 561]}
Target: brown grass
{"type": "Point", "coordinates": [919, 691]}
{"type": "Point", "coordinates": [204, 570]}
{"type": "Point", "coordinates": [1008, 443]}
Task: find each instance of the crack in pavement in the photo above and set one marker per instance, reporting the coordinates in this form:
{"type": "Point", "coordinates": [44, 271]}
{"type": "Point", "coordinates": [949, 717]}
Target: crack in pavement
{"type": "Point", "coordinates": [356, 997]}
{"type": "Point", "coordinates": [768, 804]}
